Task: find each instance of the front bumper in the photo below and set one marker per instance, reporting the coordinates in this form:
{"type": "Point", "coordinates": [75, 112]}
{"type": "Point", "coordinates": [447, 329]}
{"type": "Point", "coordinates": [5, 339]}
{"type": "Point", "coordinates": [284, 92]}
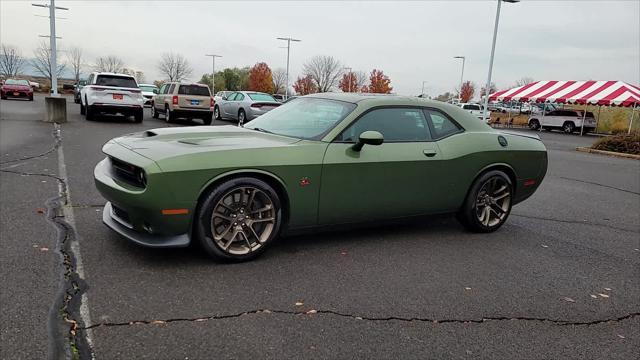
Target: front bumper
{"type": "Point", "coordinates": [145, 239]}
{"type": "Point", "coordinates": [17, 94]}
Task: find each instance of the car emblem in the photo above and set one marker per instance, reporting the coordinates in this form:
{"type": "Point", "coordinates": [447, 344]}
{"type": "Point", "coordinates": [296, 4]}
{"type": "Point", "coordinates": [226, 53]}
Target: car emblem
{"type": "Point", "coordinates": [305, 181]}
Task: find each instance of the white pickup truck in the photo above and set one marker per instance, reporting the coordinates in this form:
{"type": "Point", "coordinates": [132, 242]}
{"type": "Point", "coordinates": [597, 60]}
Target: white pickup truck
{"type": "Point", "coordinates": [475, 110]}
{"type": "Point", "coordinates": [565, 120]}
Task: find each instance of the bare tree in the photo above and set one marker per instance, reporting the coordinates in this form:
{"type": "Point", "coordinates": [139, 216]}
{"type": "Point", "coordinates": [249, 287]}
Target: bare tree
{"type": "Point", "coordinates": [174, 67]}
{"type": "Point", "coordinates": [11, 61]}
{"type": "Point", "coordinates": [109, 64]}
{"type": "Point", "coordinates": [279, 80]}
{"type": "Point", "coordinates": [74, 58]}
{"type": "Point", "coordinates": [524, 81]}
{"type": "Point", "coordinates": [324, 70]}
{"type": "Point", "coordinates": [137, 74]}
{"type": "Point", "coordinates": [42, 62]}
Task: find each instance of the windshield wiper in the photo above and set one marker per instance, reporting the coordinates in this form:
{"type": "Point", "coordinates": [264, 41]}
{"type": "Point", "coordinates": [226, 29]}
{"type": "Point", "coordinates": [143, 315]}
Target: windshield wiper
{"type": "Point", "coordinates": [262, 130]}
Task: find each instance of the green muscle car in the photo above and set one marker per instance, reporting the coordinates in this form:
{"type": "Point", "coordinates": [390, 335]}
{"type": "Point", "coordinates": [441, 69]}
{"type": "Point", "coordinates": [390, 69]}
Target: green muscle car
{"type": "Point", "coordinates": [318, 161]}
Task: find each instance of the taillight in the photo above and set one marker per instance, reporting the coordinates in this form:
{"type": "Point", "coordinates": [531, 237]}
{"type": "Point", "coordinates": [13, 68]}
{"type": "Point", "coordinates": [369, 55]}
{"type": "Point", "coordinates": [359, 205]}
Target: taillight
{"type": "Point", "coordinates": [134, 91]}
{"type": "Point", "coordinates": [257, 106]}
{"type": "Point", "coordinates": [175, 100]}
{"type": "Point", "coordinates": [97, 88]}
{"type": "Point", "coordinates": [213, 102]}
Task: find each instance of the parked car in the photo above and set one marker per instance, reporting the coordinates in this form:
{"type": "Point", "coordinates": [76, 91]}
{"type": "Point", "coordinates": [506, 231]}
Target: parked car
{"type": "Point", "coordinates": [16, 88]}
{"type": "Point", "coordinates": [319, 161]}
{"type": "Point", "coordinates": [244, 106]}
{"type": "Point", "coordinates": [475, 110]}
{"type": "Point", "coordinates": [221, 94]}
{"type": "Point", "coordinates": [76, 90]}
{"type": "Point", "coordinates": [111, 93]}
{"type": "Point", "coordinates": [565, 120]}
{"type": "Point", "coordinates": [183, 100]}
{"type": "Point", "coordinates": [148, 91]}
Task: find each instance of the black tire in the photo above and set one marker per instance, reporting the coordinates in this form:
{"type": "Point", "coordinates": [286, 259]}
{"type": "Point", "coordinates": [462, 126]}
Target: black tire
{"type": "Point", "coordinates": [3, 97]}
{"type": "Point", "coordinates": [167, 114]}
{"type": "Point", "coordinates": [471, 214]}
{"type": "Point", "coordinates": [208, 119]}
{"type": "Point", "coordinates": [534, 124]}
{"type": "Point", "coordinates": [89, 113]}
{"type": "Point", "coordinates": [242, 116]}
{"type": "Point", "coordinates": [216, 113]}
{"type": "Point", "coordinates": [31, 98]}
{"type": "Point", "coordinates": [205, 222]}
{"type": "Point", "coordinates": [568, 127]}
{"type": "Point", "coordinates": [82, 108]}
{"type": "Point", "coordinates": [139, 115]}
{"type": "Point", "coordinates": [154, 112]}
{"type": "Point", "coordinates": [76, 100]}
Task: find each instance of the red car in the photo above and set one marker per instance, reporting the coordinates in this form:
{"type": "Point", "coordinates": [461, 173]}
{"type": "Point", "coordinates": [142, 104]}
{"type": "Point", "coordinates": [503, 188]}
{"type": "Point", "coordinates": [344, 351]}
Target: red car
{"type": "Point", "coordinates": [17, 89]}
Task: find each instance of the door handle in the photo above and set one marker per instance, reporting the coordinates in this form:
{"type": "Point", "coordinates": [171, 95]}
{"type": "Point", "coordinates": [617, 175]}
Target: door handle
{"type": "Point", "coordinates": [429, 152]}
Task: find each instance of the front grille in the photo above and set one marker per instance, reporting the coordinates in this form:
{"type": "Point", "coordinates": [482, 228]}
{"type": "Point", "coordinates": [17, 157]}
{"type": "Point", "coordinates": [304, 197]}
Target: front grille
{"type": "Point", "coordinates": [123, 215]}
{"type": "Point", "coordinates": [128, 173]}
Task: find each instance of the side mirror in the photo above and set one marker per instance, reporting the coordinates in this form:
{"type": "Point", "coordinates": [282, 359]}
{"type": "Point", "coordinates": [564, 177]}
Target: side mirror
{"type": "Point", "coordinates": [224, 97]}
{"type": "Point", "coordinates": [155, 91]}
{"type": "Point", "coordinates": [368, 138]}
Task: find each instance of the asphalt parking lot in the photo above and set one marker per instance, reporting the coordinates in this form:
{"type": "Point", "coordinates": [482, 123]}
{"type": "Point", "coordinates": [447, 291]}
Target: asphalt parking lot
{"type": "Point", "coordinates": [559, 280]}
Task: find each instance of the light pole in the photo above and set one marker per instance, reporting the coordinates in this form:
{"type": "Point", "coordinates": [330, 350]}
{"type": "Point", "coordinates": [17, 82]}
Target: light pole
{"type": "Point", "coordinates": [493, 50]}
{"type": "Point", "coordinates": [348, 68]}
{"type": "Point", "coordinates": [461, 77]}
{"type": "Point", "coordinates": [422, 93]}
{"type": "Point", "coordinates": [52, 43]}
{"type": "Point", "coordinates": [213, 71]}
{"type": "Point", "coordinates": [288, 40]}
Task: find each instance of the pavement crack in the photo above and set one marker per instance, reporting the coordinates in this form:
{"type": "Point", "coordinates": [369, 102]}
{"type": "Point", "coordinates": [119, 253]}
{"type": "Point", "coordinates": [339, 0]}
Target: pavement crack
{"type": "Point", "coordinates": [366, 318]}
{"type": "Point", "coordinates": [57, 138]}
{"type": "Point", "coordinates": [575, 222]}
{"type": "Point", "coordinates": [598, 184]}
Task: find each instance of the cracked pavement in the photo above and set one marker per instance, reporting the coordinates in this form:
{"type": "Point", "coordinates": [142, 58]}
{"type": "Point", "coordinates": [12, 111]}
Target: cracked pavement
{"type": "Point", "coordinates": [407, 291]}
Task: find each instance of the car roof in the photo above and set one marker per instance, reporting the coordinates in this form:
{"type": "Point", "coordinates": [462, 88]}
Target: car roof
{"type": "Point", "coordinates": [147, 85]}
{"type": "Point", "coordinates": [111, 73]}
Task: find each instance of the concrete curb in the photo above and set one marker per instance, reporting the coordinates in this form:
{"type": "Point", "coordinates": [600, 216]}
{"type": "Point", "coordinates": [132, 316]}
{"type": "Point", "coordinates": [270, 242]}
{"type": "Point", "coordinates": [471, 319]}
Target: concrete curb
{"type": "Point", "coordinates": [608, 153]}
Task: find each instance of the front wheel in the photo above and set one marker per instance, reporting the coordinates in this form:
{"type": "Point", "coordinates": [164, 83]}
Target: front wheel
{"type": "Point", "coordinates": [216, 113]}
{"type": "Point", "coordinates": [241, 117]}
{"type": "Point", "coordinates": [568, 127]}
{"type": "Point", "coordinates": [239, 219]}
{"type": "Point", "coordinates": [154, 112]}
{"type": "Point", "coordinates": [534, 124]}
{"type": "Point", "coordinates": [488, 203]}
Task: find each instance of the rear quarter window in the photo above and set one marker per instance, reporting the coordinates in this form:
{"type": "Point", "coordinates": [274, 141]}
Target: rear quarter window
{"type": "Point", "coordinates": [116, 81]}
{"type": "Point", "coordinates": [193, 90]}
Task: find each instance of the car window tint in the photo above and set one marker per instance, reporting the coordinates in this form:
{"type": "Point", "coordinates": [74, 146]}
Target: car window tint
{"type": "Point", "coordinates": [116, 81]}
{"type": "Point", "coordinates": [441, 125]}
{"type": "Point", "coordinates": [193, 90]}
{"type": "Point", "coordinates": [239, 97]}
{"type": "Point", "coordinates": [231, 97]}
{"type": "Point", "coordinates": [395, 124]}
{"type": "Point", "coordinates": [261, 97]}
{"type": "Point", "coordinates": [171, 88]}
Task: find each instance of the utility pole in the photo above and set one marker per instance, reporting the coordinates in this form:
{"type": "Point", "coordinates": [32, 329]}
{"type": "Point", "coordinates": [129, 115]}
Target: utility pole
{"type": "Point", "coordinates": [422, 93]}
{"type": "Point", "coordinates": [213, 72]}
{"type": "Point", "coordinates": [52, 43]}
{"type": "Point", "coordinates": [461, 77]}
{"type": "Point", "coordinates": [288, 40]}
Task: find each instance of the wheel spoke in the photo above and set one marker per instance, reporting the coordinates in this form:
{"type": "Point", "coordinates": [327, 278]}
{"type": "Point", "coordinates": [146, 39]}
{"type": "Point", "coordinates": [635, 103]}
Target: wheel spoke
{"type": "Point", "coordinates": [224, 233]}
{"type": "Point", "coordinates": [254, 233]}
{"type": "Point", "coordinates": [487, 216]}
{"type": "Point", "coordinates": [501, 196]}
{"type": "Point", "coordinates": [259, 220]}
{"type": "Point", "coordinates": [250, 200]}
{"type": "Point", "coordinates": [497, 209]}
{"type": "Point", "coordinates": [222, 216]}
{"type": "Point", "coordinates": [263, 209]}
{"type": "Point", "coordinates": [503, 188]}
{"type": "Point", "coordinates": [246, 239]}
{"type": "Point", "coordinates": [226, 246]}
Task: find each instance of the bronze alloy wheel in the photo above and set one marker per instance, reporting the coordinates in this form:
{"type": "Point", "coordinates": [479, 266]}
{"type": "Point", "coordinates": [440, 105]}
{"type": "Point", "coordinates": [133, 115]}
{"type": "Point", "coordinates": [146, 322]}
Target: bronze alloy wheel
{"type": "Point", "coordinates": [243, 220]}
{"type": "Point", "coordinates": [493, 201]}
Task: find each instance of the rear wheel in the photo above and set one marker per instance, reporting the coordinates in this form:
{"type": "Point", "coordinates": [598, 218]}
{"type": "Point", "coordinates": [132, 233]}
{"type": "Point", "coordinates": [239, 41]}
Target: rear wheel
{"type": "Point", "coordinates": [139, 115]}
{"type": "Point", "coordinates": [568, 127]}
{"type": "Point", "coordinates": [167, 114]}
{"type": "Point", "coordinates": [88, 112]}
{"type": "Point", "coordinates": [488, 203]}
{"type": "Point", "coordinates": [239, 219]}
{"type": "Point", "coordinates": [208, 119]}
{"type": "Point", "coordinates": [241, 117]}
{"type": "Point", "coordinates": [216, 113]}
{"type": "Point", "coordinates": [154, 113]}
{"type": "Point", "coordinates": [534, 124]}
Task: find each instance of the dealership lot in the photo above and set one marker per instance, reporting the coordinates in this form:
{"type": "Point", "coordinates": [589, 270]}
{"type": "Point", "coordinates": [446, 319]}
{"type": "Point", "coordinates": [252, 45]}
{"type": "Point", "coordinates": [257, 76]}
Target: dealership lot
{"type": "Point", "coordinates": [559, 280]}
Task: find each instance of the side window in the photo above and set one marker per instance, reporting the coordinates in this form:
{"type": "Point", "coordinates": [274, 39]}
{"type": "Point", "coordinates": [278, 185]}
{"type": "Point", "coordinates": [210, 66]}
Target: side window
{"type": "Point", "coordinates": [395, 124]}
{"type": "Point", "coordinates": [171, 88]}
{"type": "Point", "coordinates": [162, 89]}
{"type": "Point", "coordinates": [441, 126]}
{"type": "Point", "coordinates": [239, 97]}
{"type": "Point", "coordinates": [90, 80]}
{"type": "Point", "coordinates": [231, 96]}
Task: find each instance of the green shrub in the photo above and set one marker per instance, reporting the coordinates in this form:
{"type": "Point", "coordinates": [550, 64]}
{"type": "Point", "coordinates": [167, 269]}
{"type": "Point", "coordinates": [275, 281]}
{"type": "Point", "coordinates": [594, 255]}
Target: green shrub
{"type": "Point", "coordinates": [627, 143]}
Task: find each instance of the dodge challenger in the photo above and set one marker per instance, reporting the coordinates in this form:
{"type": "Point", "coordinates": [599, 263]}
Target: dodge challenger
{"type": "Point", "coordinates": [320, 160]}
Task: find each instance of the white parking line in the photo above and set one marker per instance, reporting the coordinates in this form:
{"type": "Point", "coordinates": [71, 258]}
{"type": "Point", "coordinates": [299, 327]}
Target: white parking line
{"type": "Point", "coordinates": [67, 211]}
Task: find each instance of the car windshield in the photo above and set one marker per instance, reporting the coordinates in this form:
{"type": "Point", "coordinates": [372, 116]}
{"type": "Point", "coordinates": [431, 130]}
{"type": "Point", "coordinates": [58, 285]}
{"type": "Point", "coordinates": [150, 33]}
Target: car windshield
{"type": "Point", "coordinates": [261, 97]}
{"type": "Point", "coordinates": [116, 81]}
{"type": "Point", "coordinates": [306, 118]}
{"type": "Point", "coordinates": [17, 82]}
{"type": "Point", "coordinates": [193, 90]}
{"type": "Point", "coordinates": [148, 88]}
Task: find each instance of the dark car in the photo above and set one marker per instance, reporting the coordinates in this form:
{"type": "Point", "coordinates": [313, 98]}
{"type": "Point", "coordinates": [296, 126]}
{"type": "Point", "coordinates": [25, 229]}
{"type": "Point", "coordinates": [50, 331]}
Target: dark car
{"type": "Point", "coordinates": [17, 89]}
{"type": "Point", "coordinates": [76, 90]}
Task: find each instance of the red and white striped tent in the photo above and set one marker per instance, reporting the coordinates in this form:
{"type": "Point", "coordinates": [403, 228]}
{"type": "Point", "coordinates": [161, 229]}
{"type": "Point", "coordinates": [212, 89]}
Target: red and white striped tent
{"type": "Point", "coordinates": [615, 93]}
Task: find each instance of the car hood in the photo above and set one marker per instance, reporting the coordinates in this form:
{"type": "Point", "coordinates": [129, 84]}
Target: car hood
{"type": "Point", "coordinates": [164, 143]}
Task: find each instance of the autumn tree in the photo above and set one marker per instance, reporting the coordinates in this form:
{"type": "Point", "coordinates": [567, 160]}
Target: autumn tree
{"type": "Point", "coordinates": [324, 70]}
{"type": "Point", "coordinates": [279, 80]}
{"type": "Point", "coordinates": [11, 61]}
{"type": "Point", "coordinates": [109, 64]}
{"type": "Point", "coordinates": [42, 62]}
{"type": "Point", "coordinates": [305, 85]}
{"type": "Point", "coordinates": [260, 78]}
{"type": "Point", "coordinates": [348, 83]}
{"type": "Point", "coordinates": [467, 91]}
{"type": "Point", "coordinates": [174, 67]}
{"type": "Point", "coordinates": [379, 83]}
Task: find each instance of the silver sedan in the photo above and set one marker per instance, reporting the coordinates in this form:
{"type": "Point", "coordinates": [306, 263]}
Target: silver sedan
{"type": "Point", "coordinates": [244, 106]}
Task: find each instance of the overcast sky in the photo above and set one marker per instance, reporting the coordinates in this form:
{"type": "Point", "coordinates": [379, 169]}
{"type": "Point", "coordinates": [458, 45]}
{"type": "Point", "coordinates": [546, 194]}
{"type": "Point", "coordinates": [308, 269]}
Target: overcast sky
{"type": "Point", "coordinates": [410, 41]}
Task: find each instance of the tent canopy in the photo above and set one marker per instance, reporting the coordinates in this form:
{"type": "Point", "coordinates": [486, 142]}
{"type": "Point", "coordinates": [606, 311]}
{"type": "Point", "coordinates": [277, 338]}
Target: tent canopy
{"type": "Point", "coordinates": [592, 92]}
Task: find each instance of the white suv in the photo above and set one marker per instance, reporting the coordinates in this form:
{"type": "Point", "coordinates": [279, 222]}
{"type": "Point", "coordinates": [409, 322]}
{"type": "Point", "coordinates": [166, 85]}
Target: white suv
{"type": "Point", "coordinates": [112, 94]}
{"type": "Point", "coordinates": [565, 120]}
{"type": "Point", "coordinates": [475, 110]}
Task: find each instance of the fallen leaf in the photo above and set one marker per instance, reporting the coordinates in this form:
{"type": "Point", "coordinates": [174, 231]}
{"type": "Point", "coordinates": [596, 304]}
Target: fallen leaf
{"type": "Point", "coordinates": [621, 336]}
{"type": "Point", "coordinates": [593, 296]}
{"type": "Point", "coordinates": [299, 303]}
{"type": "Point", "coordinates": [44, 181]}
{"type": "Point", "coordinates": [358, 318]}
{"type": "Point", "coordinates": [44, 249]}
{"type": "Point", "coordinates": [545, 246]}
{"type": "Point", "coordinates": [40, 210]}
{"type": "Point", "coordinates": [35, 246]}
{"type": "Point", "coordinates": [636, 249]}
{"type": "Point", "coordinates": [568, 299]}
{"type": "Point", "coordinates": [311, 312]}
{"type": "Point", "coordinates": [158, 322]}
{"type": "Point", "coordinates": [266, 311]}
{"type": "Point", "coordinates": [608, 289]}
{"type": "Point", "coordinates": [201, 319]}
{"type": "Point", "coordinates": [604, 295]}
{"type": "Point", "coordinates": [343, 253]}
{"type": "Point", "coordinates": [467, 288]}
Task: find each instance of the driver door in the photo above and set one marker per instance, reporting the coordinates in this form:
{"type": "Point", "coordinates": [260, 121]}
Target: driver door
{"type": "Point", "coordinates": [400, 177]}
